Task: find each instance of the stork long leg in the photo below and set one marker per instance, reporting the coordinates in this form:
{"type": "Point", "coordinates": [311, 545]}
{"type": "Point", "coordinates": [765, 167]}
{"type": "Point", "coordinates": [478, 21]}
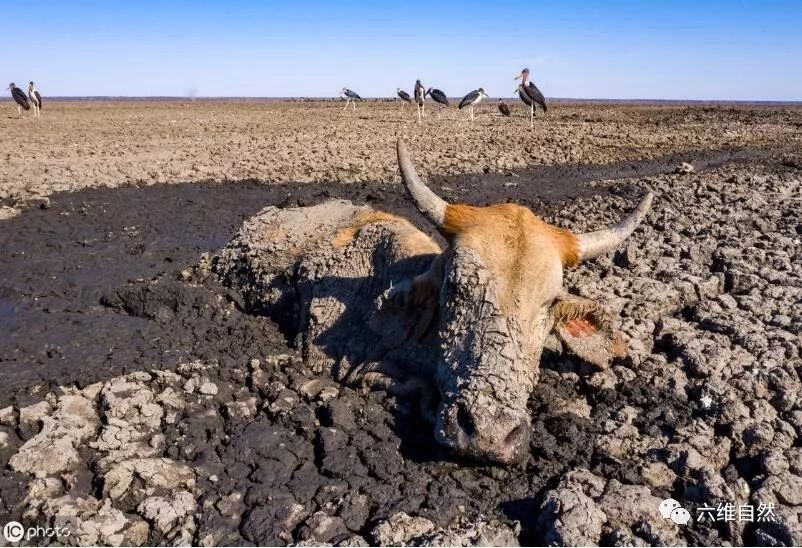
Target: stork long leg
{"type": "Point", "coordinates": [532, 116]}
{"type": "Point", "coordinates": [419, 116]}
{"type": "Point", "coordinates": [346, 103]}
{"type": "Point", "coordinates": [353, 104]}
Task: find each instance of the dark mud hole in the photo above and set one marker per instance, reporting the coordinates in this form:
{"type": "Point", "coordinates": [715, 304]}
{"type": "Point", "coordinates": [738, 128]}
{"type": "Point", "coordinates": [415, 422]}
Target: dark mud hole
{"type": "Point", "coordinates": [91, 288]}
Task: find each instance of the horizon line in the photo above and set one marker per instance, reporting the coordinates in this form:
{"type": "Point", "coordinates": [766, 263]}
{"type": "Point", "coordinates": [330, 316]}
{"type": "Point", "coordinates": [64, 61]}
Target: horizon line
{"type": "Point", "coordinates": [393, 98]}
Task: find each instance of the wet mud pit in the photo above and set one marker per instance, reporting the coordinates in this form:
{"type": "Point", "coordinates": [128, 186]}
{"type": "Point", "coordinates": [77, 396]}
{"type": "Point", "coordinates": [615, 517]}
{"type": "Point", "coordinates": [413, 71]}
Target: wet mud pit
{"type": "Point", "coordinates": [63, 266]}
{"type": "Point", "coordinates": [101, 284]}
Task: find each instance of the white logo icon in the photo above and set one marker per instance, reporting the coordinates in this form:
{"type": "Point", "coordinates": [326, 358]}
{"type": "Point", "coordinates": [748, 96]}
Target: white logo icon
{"type": "Point", "coordinates": [671, 509]}
{"type": "Point", "coordinates": [668, 506]}
{"type": "Point", "coordinates": [13, 531]}
{"type": "Point", "coordinates": [680, 516]}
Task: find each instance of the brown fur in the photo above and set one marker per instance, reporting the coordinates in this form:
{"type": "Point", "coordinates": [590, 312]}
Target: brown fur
{"type": "Point", "coordinates": [347, 234]}
{"type": "Point", "coordinates": [515, 238]}
{"type": "Point", "coordinates": [516, 244]}
{"type": "Point", "coordinates": [567, 243]}
{"type": "Point", "coordinates": [506, 221]}
{"type": "Point", "coordinates": [414, 239]}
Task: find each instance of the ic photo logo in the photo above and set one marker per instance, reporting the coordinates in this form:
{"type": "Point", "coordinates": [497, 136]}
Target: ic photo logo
{"type": "Point", "coordinates": [13, 531]}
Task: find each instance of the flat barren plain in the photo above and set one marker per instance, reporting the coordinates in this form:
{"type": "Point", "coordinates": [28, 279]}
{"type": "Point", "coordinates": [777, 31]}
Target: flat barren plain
{"type": "Point", "coordinates": [75, 145]}
{"type": "Point", "coordinates": [142, 401]}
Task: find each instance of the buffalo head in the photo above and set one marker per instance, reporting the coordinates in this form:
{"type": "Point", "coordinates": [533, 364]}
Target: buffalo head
{"type": "Point", "coordinates": [497, 292]}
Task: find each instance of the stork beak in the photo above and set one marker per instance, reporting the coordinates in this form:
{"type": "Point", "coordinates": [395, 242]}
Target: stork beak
{"type": "Point", "coordinates": [520, 75]}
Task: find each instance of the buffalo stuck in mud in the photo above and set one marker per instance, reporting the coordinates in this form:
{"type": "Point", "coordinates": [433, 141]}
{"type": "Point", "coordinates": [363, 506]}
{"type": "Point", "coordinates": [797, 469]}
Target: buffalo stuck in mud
{"type": "Point", "coordinates": [371, 296]}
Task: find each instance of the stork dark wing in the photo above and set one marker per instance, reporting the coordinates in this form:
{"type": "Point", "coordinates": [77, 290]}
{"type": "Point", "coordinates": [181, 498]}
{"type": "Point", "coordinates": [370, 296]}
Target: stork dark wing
{"type": "Point", "coordinates": [38, 99]}
{"type": "Point", "coordinates": [468, 99]}
{"type": "Point", "coordinates": [505, 110]}
{"type": "Point", "coordinates": [405, 96]}
{"type": "Point", "coordinates": [524, 97]}
{"type": "Point", "coordinates": [352, 94]}
{"type": "Point", "coordinates": [536, 95]}
{"type": "Point", "coordinates": [19, 97]}
{"type": "Point", "coordinates": [439, 96]}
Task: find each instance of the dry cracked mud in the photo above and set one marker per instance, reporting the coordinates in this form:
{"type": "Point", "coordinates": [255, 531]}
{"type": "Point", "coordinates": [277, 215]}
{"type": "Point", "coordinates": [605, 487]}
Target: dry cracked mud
{"type": "Point", "coordinates": [76, 145]}
{"type": "Point", "coordinates": [143, 403]}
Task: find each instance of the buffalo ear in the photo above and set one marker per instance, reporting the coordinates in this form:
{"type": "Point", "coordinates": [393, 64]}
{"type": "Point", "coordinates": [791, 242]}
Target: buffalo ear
{"type": "Point", "coordinates": [586, 330]}
{"type": "Point", "coordinates": [405, 311]}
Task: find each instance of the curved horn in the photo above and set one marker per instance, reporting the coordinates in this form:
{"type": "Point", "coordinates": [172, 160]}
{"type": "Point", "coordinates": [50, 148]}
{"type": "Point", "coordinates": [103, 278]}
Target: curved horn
{"type": "Point", "coordinates": [593, 244]}
{"type": "Point", "coordinates": [430, 204]}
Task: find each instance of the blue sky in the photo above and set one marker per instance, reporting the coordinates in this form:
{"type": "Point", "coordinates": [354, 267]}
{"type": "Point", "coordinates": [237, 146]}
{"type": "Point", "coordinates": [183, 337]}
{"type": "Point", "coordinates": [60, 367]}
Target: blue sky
{"type": "Point", "coordinates": [616, 49]}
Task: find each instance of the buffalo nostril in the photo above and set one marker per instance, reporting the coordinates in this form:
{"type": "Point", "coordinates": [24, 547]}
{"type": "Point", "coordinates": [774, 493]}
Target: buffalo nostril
{"type": "Point", "coordinates": [465, 421]}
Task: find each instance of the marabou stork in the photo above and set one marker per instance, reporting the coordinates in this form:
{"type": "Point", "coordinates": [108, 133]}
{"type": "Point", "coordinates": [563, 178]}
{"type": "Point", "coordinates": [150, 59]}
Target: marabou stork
{"type": "Point", "coordinates": [19, 97]}
{"type": "Point", "coordinates": [403, 95]}
{"type": "Point", "coordinates": [530, 95]}
{"type": "Point", "coordinates": [439, 98]}
{"type": "Point", "coordinates": [472, 99]}
{"type": "Point", "coordinates": [420, 99]}
{"type": "Point", "coordinates": [503, 109]}
{"type": "Point", "coordinates": [350, 97]}
{"type": "Point", "coordinates": [35, 98]}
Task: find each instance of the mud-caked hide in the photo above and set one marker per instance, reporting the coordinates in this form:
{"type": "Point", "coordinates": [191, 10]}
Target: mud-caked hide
{"type": "Point", "coordinates": [360, 290]}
